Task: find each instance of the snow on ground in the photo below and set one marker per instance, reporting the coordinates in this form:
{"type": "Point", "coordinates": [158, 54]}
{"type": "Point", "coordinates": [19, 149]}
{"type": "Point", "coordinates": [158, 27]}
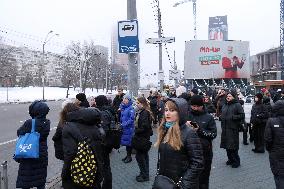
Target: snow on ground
{"type": "Point", "coordinates": [29, 94]}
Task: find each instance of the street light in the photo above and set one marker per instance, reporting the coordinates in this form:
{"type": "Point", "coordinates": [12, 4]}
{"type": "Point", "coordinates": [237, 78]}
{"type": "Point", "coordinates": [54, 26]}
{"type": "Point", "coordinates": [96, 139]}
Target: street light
{"type": "Point", "coordinates": [46, 40]}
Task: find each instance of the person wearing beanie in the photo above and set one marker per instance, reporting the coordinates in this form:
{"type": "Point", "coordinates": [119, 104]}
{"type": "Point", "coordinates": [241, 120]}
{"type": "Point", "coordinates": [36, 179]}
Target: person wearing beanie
{"type": "Point", "coordinates": [204, 124]}
{"type": "Point", "coordinates": [231, 118]}
{"type": "Point", "coordinates": [193, 91]}
{"type": "Point", "coordinates": [116, 103]}
{"type": "Point", "coordinates": [81, 100]}
{"type": "Point", "coordinates": [274, 134]}
{"type": "Point", "coordinates": [259, 116]}
{"type": "Point", "coordinates": [127, 125]}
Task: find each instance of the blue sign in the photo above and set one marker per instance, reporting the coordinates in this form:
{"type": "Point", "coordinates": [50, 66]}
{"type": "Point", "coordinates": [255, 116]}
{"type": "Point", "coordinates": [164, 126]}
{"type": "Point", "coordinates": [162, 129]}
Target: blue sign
{"type": "Point", "coordinates": [128, 36]}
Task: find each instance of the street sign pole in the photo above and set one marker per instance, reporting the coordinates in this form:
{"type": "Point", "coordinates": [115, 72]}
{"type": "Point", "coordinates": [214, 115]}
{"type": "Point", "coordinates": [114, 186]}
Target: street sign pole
{"type": "Point", "coordinates": [132, 80]}
{"type": "Point", "coordinates": [160, 47]}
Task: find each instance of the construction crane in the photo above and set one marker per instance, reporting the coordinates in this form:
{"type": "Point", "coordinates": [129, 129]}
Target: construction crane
{"type": "Point", "coordinates": [194, 13]}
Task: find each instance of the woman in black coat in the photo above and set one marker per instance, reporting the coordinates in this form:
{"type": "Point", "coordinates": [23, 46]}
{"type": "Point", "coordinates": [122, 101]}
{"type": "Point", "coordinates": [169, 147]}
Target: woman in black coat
{"type": "Point", "coordinates": [143, 129]}
{"type": "Point", "coordinates": [84, 121]}
{"type": "Point", "coordinates": [57, 138]}
{"type": "Point", "coordinates": [231, 118]}
{"type": "Point", "coordinates": [259, 116]}
{"type": "Point", "coordinates": [181, 157]}
{"type": "Point", "coordinates": [33, 172]}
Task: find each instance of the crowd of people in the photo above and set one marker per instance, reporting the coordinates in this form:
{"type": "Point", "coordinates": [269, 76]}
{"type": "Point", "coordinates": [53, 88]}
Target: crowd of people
{"type": "Point", "coordinates": [185, 123]}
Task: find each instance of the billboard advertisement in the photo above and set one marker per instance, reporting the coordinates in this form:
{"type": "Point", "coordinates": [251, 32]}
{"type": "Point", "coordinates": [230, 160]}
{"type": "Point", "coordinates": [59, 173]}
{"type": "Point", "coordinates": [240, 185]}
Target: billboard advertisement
{"type": "Point", "coordinates": [205, 59]}
{"type": "Point", "coordinates": [218, 28]}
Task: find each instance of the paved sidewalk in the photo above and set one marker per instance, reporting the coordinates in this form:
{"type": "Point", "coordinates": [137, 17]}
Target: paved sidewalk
{"type": "Point", "coordinates": [254, 172]}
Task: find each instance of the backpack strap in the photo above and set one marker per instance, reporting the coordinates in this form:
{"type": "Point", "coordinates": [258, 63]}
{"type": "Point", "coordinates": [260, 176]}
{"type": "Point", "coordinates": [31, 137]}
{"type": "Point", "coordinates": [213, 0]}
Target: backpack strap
{"type": "Point", "coordinates": [33, 126]}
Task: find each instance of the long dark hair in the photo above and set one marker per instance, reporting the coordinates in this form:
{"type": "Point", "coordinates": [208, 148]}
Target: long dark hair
{"type": "Point", "coordinates": [69, 107]}
{"type": "Point", "coordinates": [142, 100]}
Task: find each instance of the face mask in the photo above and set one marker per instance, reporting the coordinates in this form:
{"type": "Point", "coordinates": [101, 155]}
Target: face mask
{"type": "Point", "coordinates": [170, 124]}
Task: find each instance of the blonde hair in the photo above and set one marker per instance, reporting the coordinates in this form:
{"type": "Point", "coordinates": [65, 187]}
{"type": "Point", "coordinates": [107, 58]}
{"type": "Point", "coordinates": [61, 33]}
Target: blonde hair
{"type": "Point", "coordinates": [173, 136]}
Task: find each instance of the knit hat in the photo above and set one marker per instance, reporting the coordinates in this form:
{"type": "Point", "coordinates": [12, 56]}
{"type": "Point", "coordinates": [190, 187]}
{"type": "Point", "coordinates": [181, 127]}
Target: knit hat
{"type": "Point", "coordinates": [263, 90]}
{"type": "Point", "coordinates": [197, 100]}
{"type": "Point", "coordinates": [259, 96]}
{"type": "Point", "coordinates": [233, 93]}
{"type": "Point", "coordinates": [127, 96]}
{"type": "Point", "coordinates": [101, 100]}
{"type": "Point", "coordinates": [194, 90]}
{"type": "Point", "coordinates": [81, 97]}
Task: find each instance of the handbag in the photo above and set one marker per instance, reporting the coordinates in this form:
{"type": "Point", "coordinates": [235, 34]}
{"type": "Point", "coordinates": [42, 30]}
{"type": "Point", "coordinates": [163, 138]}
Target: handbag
{"type": "Point", "coordinates": [141, 144]}
{"type": "Point", "coordinates": [162, 181]}
{"type": "Point", "coordinates": [27, 146]}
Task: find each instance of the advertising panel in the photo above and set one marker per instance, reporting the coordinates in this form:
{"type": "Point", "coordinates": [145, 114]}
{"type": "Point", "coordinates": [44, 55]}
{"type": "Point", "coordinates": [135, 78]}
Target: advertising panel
{"type": "Point", "coordinates": [205, 59]}
{"type": "Point", "coordinates": [218, 28]}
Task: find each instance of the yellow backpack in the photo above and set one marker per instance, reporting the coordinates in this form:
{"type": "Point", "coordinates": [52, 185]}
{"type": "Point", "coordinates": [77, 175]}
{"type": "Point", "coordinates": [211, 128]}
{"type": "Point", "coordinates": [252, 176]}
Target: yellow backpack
{"type": "Point", "coordinates": [84, 165]}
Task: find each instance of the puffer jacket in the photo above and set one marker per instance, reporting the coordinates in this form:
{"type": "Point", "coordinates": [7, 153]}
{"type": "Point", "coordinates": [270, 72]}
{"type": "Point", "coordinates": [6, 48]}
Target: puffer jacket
{"type": "Point", "coordinates": [84, 121]}
{"type": "Point", "coordinates": [274, 139]}
{"type": "Point", "coordinates": [127, 123]}
{"type": "Point", "coordinates": [33, 172]}
{"type": "Point", "coordinates": [231, 118]}
{"type": "Point", "coordinates": [187, 163]}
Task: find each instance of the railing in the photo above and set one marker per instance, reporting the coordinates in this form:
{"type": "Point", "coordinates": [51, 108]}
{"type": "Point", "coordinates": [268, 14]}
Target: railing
{"type": "Point", "coordinates": [4, 176]}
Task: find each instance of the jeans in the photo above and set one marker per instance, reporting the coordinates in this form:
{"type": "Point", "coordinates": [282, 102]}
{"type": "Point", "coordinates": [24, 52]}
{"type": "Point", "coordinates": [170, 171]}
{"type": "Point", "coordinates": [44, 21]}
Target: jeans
{"type": "Point", "coordinates": [142, 159]}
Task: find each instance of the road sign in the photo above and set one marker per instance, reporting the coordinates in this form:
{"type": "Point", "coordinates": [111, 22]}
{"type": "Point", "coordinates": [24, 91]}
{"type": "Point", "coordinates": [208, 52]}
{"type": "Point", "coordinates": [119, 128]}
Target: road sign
{"type": "Point", "coordinates": [160, 40]}
{"type": "Point", "coordinates": [128, 36]}
{"type": "Point", "coordinates": [161, 75]}
{"type": "Point", "coordinates": [174, 74]}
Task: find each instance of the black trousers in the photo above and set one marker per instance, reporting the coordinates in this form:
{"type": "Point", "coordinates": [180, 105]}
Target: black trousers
{"type": "Point", "coordinates": [204, 176]}
{"type": "Point", "coordinates": [128, 150]}
{"type": "Point", "coordinates": [245, 133]}
{"type": "Point", "coordinates": [279, 182]}
{"type": "Point", "coordinates": [233, 156]}
{"type": "Point", "coordinates": [258, 132]}
{"type": "Point", "coordinates": [107, 182]}
{"type": "Point", "coordinates": [142, 159]}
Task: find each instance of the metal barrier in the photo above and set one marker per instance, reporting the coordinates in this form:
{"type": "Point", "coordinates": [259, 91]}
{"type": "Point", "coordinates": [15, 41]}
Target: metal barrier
{"type": "Point", "coordinates": [4, 175]}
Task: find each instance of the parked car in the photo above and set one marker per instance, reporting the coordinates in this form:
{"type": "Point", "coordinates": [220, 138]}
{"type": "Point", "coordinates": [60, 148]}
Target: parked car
{"type": "Point", "coordinates": [249, 99]}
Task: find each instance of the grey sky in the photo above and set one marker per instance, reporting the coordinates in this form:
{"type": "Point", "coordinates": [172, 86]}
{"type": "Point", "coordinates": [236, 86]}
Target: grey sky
{"type": "Point", "coordinates": [256, 21]}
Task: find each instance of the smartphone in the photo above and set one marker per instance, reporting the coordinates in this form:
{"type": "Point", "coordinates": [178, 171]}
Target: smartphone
{"type": "Point", "coordinates": [194, 124]}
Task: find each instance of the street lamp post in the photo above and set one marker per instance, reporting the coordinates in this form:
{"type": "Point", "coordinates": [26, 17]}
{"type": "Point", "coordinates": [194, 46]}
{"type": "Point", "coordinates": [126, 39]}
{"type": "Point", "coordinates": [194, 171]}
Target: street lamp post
{"type": "Point", "coordinates": [46, 40]}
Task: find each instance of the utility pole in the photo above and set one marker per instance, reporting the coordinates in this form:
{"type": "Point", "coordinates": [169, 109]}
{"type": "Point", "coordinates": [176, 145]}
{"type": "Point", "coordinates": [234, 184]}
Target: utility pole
{"type": "Point", "coordinates": [175, 68]}
{"type": "Point", "coordinates": [160, 46]}
{"type": "Point", "coordinates": [132, 80]}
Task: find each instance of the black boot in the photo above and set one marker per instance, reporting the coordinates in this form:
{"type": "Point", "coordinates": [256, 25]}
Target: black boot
{"type": "Point", "coordinates": [124, 158]}
{"type": "Point", "coordinates": [142, 179]}
{"type": "Point", "coordinates": [128, 159]}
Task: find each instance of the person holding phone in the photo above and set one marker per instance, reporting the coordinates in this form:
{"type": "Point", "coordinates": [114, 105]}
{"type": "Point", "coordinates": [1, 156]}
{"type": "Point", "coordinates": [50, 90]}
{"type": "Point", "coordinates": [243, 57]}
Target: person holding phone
{"type": "Point", "coordinates": [204, 124]}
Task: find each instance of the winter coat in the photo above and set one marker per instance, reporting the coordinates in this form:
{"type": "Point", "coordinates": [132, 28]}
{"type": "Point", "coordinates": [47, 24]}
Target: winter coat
{"type": "Point", "coordinates": [266, 102]}
{"type": "Point", "coordinates": [186, 162]}
{"type": "Point", "coordinates": [84, 104]}
{"type": "Point", "coordinates": [84, 121]}
{"type": "Point", "coordinates": [154, 104]}
{"type": "Point", "coordinates": [144, 124]}
{"type": "Point", "coordinates": [274, 139]}
{"type": "Point", "coordinates": [207, 130]}
{"type": "Point", "coordinates": [231, 118]}
{"type": "Point", "coordinates": [210, 108]}
{"type": "Point", "coordinates": [127, 123]}
{"type": "Point", "coordinates": [259, 115]}
{"type": "Point", "coordinates": [221, 101]}
{"type": "Point", "coordinates": [33, 172]}
{"type": "Point", "coordinates": [117, 101]}
{"type": "Point", "coordinates": [58, 146]}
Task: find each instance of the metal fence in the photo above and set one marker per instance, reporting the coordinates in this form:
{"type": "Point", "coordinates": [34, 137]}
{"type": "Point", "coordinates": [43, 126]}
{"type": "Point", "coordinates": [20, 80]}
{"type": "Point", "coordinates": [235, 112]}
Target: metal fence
{"type": "Point", "coordinates": [4, 176]}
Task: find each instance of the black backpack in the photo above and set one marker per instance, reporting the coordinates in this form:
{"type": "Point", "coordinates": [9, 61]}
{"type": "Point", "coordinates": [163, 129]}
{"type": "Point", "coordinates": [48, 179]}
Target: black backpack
{"type": "Point", "coordinates": [112, 130]}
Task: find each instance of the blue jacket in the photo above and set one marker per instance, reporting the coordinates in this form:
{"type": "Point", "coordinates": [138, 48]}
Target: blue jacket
{"type": "Point", "coordinates": [127, 123]}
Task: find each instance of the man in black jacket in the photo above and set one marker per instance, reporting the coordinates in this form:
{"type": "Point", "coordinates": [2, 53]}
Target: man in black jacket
{"type": "Point", "coordinates": [116, 102]}
{"type": "Point", "coordinates": [274, 135]}
{"type": "Point", "coordinates": [205, 126]}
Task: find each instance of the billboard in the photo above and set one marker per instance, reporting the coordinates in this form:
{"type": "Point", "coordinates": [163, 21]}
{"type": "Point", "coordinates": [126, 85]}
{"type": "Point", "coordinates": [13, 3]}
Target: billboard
{"type": "Point", "coordinates": [205, 59]}
{"type": "Point", "coordinates": [218, 28]}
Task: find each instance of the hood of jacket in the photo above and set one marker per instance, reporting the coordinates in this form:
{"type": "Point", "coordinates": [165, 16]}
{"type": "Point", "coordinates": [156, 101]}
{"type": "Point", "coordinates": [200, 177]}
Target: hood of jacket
{"type": "Point", "coordinates": [124, 106]}
{"type": "Point", "coordinates": [38, 109]}
{"type": "Point", "coordinates": [87, 116]}
{"type": "Point", "coordinates": [278, 108]}
{"type": "Point", "coordinates": [182, 106]}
